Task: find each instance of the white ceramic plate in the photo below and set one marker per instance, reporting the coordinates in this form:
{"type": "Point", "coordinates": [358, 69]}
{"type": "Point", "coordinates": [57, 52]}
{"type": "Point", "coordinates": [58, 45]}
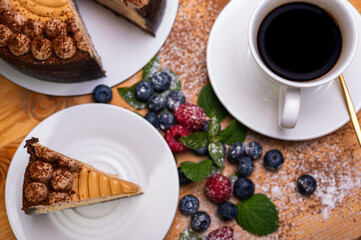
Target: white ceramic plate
{"type": "Point", "coordinates": [114, 140]}
{"type": "Point", "coordinates": [241, 86]}
{"type": "Point", "coordinates": [123, 48]}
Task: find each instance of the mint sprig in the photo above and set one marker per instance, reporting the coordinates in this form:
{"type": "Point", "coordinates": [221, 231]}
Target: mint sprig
{"type": "Point", "coordinates": [216, 152]}
{"type": "Point", "coordinates": [152, 67]}
{"type": "Point", "coordinates": [196, 171]}
{"type": "Point", "coordinates": [195, 141]}
{"type": "Point", "coordinates": [208, 100]}
{"type": "Point", "coordinates": [188, 234]}
{"type": "Point", "coordinates": [258, 215]}
{"type": "Point", "coordinates": [234, 132]}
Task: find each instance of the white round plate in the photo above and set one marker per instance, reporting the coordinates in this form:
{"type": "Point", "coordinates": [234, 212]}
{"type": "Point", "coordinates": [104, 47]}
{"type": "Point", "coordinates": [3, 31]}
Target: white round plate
{"type": "Point", "coordinates": [114, 140]}
{"type": "Point", "coordinates": [124, 50]}
{"type": "Point", "coordinates": [251, 99]}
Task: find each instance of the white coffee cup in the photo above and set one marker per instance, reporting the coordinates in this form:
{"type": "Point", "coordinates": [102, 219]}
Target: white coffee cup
{"type": "Point", "coordinates": [290, 91]}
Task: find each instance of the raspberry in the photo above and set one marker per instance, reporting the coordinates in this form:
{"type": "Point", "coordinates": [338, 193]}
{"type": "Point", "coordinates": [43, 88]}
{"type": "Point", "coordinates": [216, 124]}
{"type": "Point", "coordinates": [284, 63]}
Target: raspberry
{"type": "Point", "coordinates": [218, 188]}
{"type": "Point", "coordinates": [191, 116]}
{"type": "Point", "coordinates": [172, 135]}
{"type": "Point", "coordinates": [223, 233]}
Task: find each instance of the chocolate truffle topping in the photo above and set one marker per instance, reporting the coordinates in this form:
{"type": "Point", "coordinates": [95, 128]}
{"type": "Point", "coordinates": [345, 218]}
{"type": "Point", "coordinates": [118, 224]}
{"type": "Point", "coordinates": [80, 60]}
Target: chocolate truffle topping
{"type": "Point", "coordinates": [36, 192]}
{"type": "Point", "coordinates": [41, 171]}
{"type": "Point", "coordinates": [14, 20]}
{"type": "Point", "coordinates": [41, 48]}
{"type": "Point", "coordinates": [61, 179]}
{"type": "Point", "coordinates": [81, 43]}
{"type": "Point", "coordinates": [54, 28]}
{"type": "Point", "coordinates": [5, 5]}
{"type": "Point", "coordinates": [45, 154]}
{"type": "Point", "coordinates": [19, 44]}
{"type": "Point", "coordinates": [57, 197]}
{"type": "Point", "coordinates": [5, 34]}
{"type": "Point", "coordinates": [33, 28]}
{"type": "Point", "coordinates": [64, 47]}
{"type": "Point", "coordinates": [68, 163]}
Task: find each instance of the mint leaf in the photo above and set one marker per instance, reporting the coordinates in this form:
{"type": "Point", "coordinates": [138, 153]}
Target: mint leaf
{"type": "Point", "coordinates": [213, 127]}
{"type": "Point", "coordinates": [196, 171]}
{"type": "Point", "coordinates": [215, 169]}
{"type": "Point", "coordinates": [234, 132]}
{"type": "Point", "coordinates": [127, 93]}
{"type": "Point", "coordinates": [216, 152]}
{"type": "Point", "coordinates": [196, 140]}
{"type": "Point", "coordinates": [233, 177]}
{"type": "Point", "coordinates": [208, 100]}
{"type": "Point", "coordinates": [188, 234]}
{"type": "Point", "coordinates": [151, 68]}
{"type": "Point", "coordinates": [258, 215]}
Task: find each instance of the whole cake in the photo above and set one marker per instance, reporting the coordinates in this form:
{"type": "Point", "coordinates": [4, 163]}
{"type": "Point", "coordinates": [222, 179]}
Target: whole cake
{"type": "Point", "coordinates": [53, 181]}
{"type": "Point", "coordinates": [47, 39]}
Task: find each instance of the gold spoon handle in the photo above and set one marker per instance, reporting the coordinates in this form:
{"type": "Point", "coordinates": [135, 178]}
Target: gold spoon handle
{"type": "Point", "coordinates": [351, 110]}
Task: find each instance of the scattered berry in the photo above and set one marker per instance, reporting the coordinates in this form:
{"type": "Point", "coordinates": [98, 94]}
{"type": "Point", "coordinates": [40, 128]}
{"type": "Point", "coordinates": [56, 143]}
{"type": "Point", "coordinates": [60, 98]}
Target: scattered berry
{"type": "Point", "coordinates": [161, 81]}
{"type": "Point", "coordinates": [306, 184]}
{"type": "Point", "coordinates": [156, 103]}
{"type": "Point", "coordinates": [201, 151]}
{"type": "Point", "coordinates": [235, 152]}
{"type": "Point", "coordinates": [245, 166]}
{"type": "Point", "coordinates": [254, 150]}
{"type": "Point", "coordinates": [243, 188]}
{"type": "Point", "coordinates": [152, 117]}
{"type": "Point", "coordinates": [205, 126]}
{"type": "Point", "coordinates": [200, 221]}
{"type": "Point", "coordinates": [183, 180]}
{"type": "Point", "coordinates": [189, 205]}
{"type": "Point", "coordinates": [191, 116]}
{"type": "Point", "coordinates": [166, 120]}
{"type": "Point", "coordinates": [273, 160]}
{"type": "Point", "coordinates": [174, 100]}
{"type": "Point", "coordinates": [227, 211]}
{"type": "Point", "coordinates": [143, 91]}
{"type": "Point", "coordinates": [102, 94]}
{"type": "Point", "coordinates": [223, 233]}
{"type": "Point", "coordinates": [218, 188]}
{"type": "Point", "coordinates": [172, 135]}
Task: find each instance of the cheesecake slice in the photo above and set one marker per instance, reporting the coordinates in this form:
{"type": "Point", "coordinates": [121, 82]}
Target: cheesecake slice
{"type": "Point", "coordinates": [53, 181]}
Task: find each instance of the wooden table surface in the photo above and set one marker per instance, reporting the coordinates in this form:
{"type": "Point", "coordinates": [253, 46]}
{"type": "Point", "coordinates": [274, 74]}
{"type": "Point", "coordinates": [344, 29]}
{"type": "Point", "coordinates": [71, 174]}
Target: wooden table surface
{"type": "Point", "coordinates": [332, 212]}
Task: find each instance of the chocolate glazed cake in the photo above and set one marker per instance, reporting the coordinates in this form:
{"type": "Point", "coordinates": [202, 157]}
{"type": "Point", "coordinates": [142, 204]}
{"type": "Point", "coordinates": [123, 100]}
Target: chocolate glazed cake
{"type": "Point", "coordinates": [53, 181]}
{"type": "Point", "coordinates": [47, 39]}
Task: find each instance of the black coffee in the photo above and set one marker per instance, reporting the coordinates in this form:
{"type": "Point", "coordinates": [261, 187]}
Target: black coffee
{"type": "Point", "coordinates": [299, 41]}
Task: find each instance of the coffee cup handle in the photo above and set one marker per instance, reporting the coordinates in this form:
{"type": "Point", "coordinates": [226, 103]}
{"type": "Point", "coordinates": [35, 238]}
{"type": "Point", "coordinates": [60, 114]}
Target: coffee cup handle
{"type": "Point", "coordinates": [288, 106]}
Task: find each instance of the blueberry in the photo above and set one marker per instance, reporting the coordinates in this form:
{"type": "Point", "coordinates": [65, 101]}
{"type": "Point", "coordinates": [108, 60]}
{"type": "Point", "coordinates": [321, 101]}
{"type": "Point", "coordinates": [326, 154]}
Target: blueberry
{"type": "Point", "coordinates": [243, 188]}
{"type": "Point", "coordinates": [227, 211]}
{"type": "Point", "coordinates": [245, 166]}
{"type": "Point", "coordinates": [224, 149]}
{"type": "Point", "coordinates": [161, 81]}
{"type": "Point", "coordinates": [254, 150]}
{"type": "Point", "coordinates": [143, 91]}
{"type": "Point", "coordinates": [205, 126]}
{"type": "Point", "coordinates": [200, 221]}
{"type": "Point", "coordinates": [201, 151]}
{"type": "Point", "coordinates": [306, 184]}
{"type": "Point", "coordinates": [235, 152]}
{"type": "Point", "coordinates": [166, 120]}
{"type": "Point", "coordinates": [156, 103]}
{"type": "Point", "coordinates": [273, 160]}
{"type": "Point", "coordinates": [183, 180]}
{"type": "Point", "coordinates": [189, 205]}
{"type": "Point", "coordinates": [174, 100]}
{"type": "Point", "coordinates": [152, 117]}
{"type": "Point", "coordinates": [102, 94]}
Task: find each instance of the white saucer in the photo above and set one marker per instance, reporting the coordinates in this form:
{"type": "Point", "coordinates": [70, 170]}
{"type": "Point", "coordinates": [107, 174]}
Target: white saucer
{"type": "Point", "coordinates": [241, 86]}
{"type": "Point", "coordinates": [114, 140]}
{"type": "Point", "coordinates": [124, 49]}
